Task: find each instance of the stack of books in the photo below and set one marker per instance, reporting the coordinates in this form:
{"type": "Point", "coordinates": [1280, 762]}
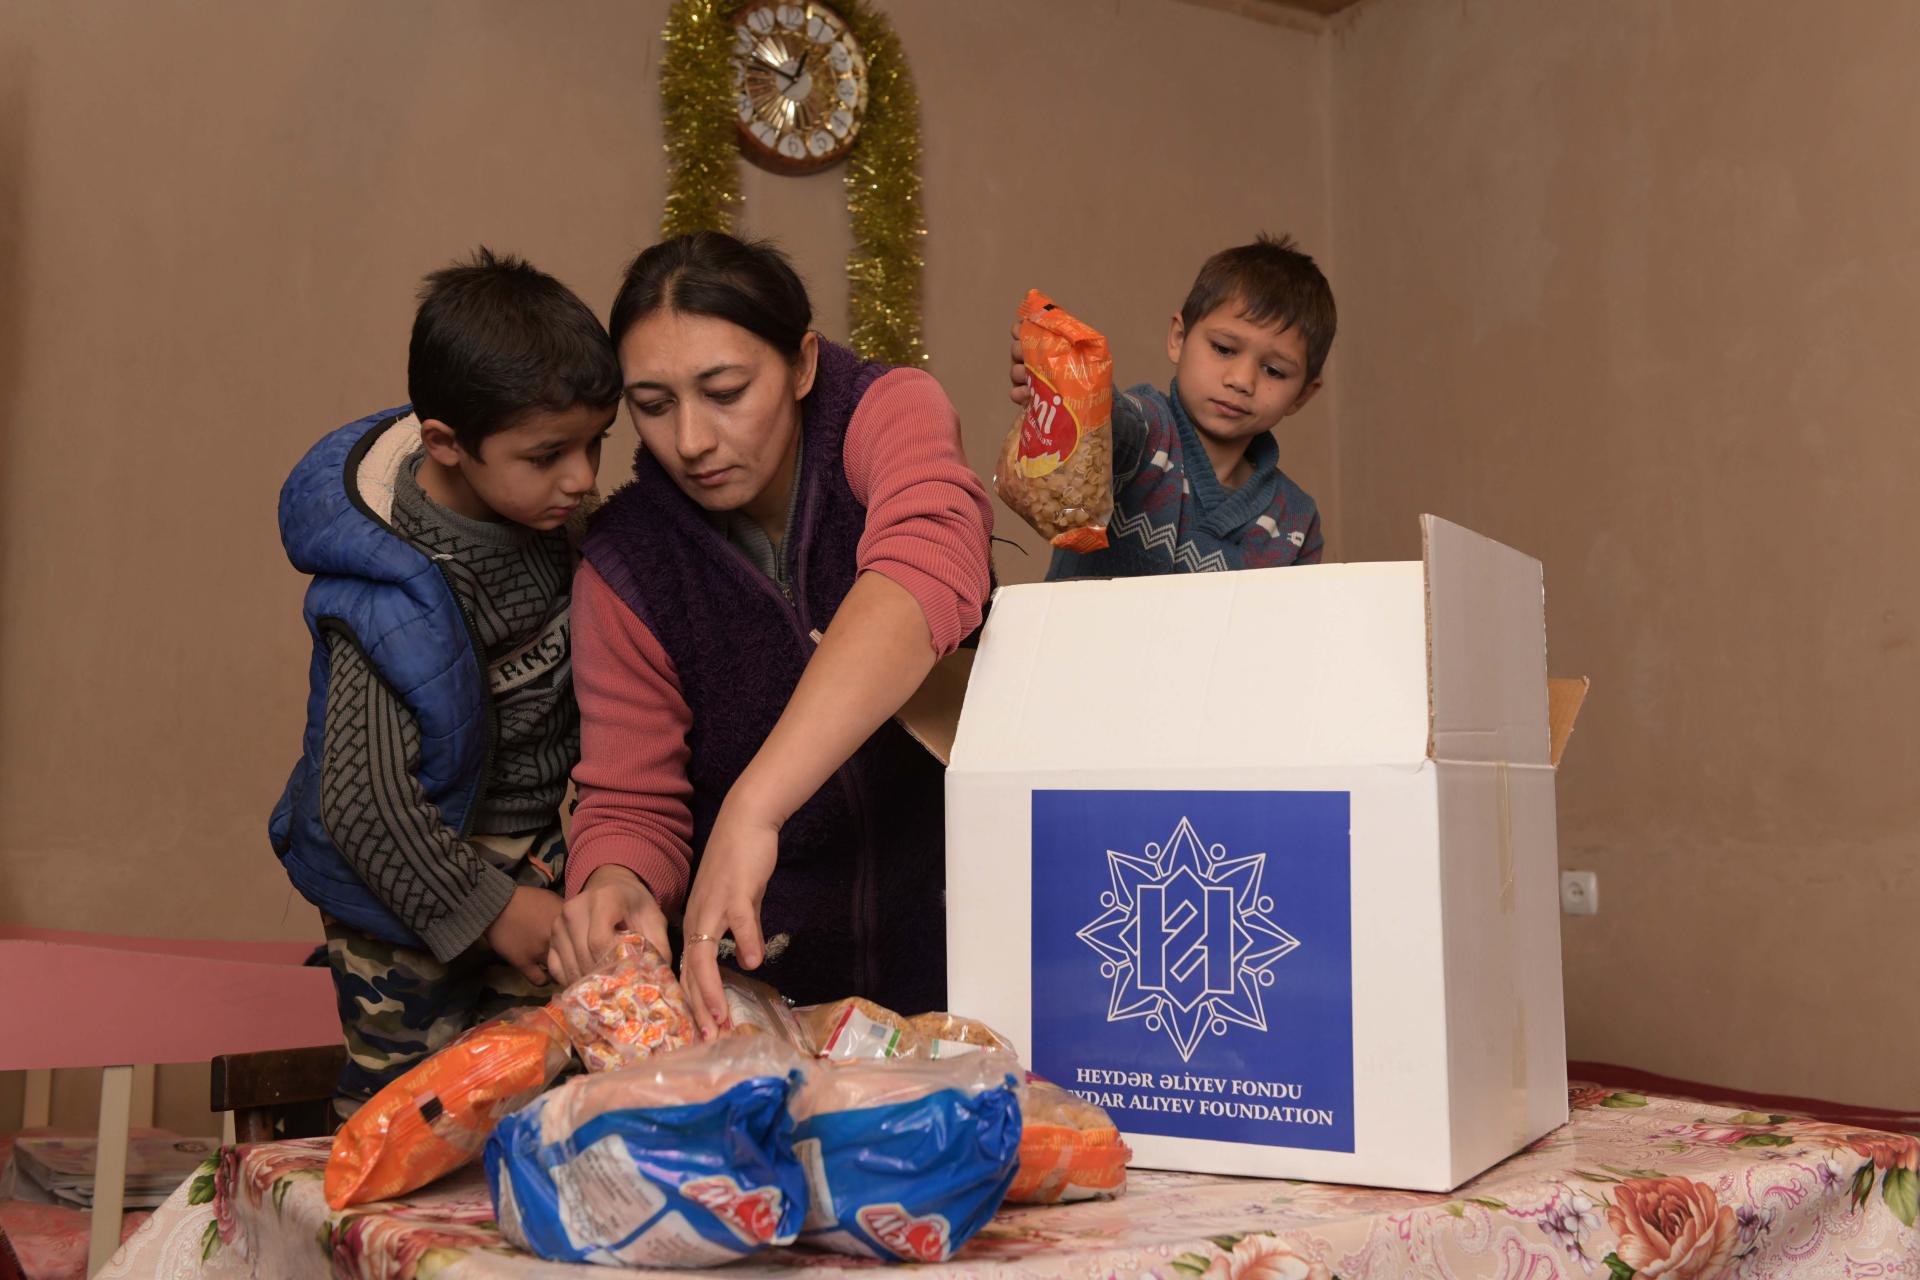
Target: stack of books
{"type": "Point", "coordinates": [62, 1168]}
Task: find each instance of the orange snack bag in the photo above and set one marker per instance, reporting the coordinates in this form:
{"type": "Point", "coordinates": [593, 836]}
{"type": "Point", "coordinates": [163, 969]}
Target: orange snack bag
{"type": "Point", "coordinates": [629, 1007]}
{"type": "Point", "coordinates": [437, 1116]}
{"type": "Point", "coordinates": [1069, 1150]}
{"type": "Point", "coordinates": [1056, 468]}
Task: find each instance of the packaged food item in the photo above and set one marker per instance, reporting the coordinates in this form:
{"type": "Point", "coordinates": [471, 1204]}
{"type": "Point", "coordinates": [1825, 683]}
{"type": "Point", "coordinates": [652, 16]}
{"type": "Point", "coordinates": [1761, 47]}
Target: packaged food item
{"type": "Point", "coordinates": [436, 1117]}
{"type": "Point", "coordinates": [1069, 1149]}
{"type": "Point", "coordinates": [754, 1008]}
{"type": "Point", "coordinates": [1056, 468]}
{"type": "Point", "coordinates": [856, 1029]}
{"type": "Point", "coordinates": [681, 1160]}
{"type": "Point", "coordinates": [906, 1160]}
{"type": "Point", "coordinates": [628, 1007]}
{"type": "Point", "coordinates": [947, 1035]}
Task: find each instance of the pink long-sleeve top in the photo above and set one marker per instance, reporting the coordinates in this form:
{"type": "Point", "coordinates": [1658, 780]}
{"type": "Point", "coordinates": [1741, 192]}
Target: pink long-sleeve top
{"type": "Point", "coordinates": [928, 525]}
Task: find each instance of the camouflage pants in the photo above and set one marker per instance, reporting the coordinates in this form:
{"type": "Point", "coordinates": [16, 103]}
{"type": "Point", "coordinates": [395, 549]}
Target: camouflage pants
{"type": "Point", "coordinates": [398, 1005]}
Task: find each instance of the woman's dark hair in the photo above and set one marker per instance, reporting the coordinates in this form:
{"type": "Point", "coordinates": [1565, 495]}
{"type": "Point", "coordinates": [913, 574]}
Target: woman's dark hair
{"type": "Point", "coordinates": [709, 273]}
{"type": "Point", "coordinates": [494, 339]}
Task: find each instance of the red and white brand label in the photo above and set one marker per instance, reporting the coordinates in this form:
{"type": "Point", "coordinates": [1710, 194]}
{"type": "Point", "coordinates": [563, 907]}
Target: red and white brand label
{"type": "Point", "coordinates": [907, 1237]}
{"type": "Point", "coordinates": [1048, 433]}
{"type": "Point", "coordinates": [753, 1215]}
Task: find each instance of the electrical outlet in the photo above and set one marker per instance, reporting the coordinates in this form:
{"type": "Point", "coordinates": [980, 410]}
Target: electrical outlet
{"type": "Point", "coordinates": [1579, 893]}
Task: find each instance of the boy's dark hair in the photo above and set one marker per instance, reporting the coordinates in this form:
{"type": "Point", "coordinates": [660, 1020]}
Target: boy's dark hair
{"type": "Point", "coordinates": [495, 338]}
{"type": "Point", "coordinates": [749, 283]}
{"type": "Point", "coordinates": [1275, 284]}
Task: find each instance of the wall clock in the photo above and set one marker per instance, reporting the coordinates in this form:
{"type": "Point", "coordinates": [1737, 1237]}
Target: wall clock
{"type": "Point", "coordinates": [799, 85]}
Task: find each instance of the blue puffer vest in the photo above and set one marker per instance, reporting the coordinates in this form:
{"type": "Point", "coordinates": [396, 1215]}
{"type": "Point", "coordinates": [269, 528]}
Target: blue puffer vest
{"type": "Point", "coordinates": [399, 607]}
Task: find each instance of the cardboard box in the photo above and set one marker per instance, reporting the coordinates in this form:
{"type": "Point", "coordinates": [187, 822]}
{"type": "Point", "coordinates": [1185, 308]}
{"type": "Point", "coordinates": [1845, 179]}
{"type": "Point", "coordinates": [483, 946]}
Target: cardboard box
{"type": "Point", "coordinates": [1264, 862]}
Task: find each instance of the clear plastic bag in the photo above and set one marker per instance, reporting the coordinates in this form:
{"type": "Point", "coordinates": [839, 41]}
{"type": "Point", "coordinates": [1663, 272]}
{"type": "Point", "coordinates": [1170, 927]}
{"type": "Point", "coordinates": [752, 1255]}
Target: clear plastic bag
{"type": "Point", "coordinates": [907, 1159]}
{"type": "Point", "coordinates": [948, 1035]}
{"type": "Point", "coordinates": [627, 1008]}
{"type": "Point", "coordinates": [754, 1008]}
{"type": "Point", "coordinates": [1056, 467]}
{"type": "Point", "coordinates": [855, 1029]}
{"type": "Point", "coordinates": [681, 1160]}
{"type": "Point", "coordinates": [1070, 1149]}
{"type": "Point", "coordinates": [436, 1117]}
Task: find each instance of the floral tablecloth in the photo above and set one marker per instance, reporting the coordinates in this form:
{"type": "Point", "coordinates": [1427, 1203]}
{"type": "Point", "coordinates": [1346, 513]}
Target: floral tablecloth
{"type": "Point", "coordinates": [1632, 1186]}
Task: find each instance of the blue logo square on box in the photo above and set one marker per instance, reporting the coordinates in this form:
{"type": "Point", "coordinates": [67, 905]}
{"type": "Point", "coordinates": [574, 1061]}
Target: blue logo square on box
{"type": "Point", "coordinates": [1193, 960]}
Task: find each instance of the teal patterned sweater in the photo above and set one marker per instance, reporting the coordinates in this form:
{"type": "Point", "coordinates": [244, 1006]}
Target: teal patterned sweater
{"type": "Point", "coordinates": [1171, 514]}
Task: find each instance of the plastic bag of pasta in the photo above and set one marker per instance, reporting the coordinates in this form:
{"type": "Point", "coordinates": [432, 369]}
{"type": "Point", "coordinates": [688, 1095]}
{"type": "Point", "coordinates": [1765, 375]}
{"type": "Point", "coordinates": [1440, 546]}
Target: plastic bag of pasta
{"type": "Point", "coordinates": [754, 1008]}
{"type": "Point", "coordinates": [1069, 1149]}
{"type": "Point", "coordinates": [1056, 468]}
{"type": "Point", "coordinates": [855, 1029]}
{"type": "Point", "coordinates": [948, 1035]}
{"type": "Point", "coordinates": [684, 1159]}
{"type": "Point", "coordinates": [436, 1117]}
{"type": "Point", "coordinates": [906, 1159]}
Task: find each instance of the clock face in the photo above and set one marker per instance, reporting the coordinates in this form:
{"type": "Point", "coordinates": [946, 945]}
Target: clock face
{"type": "Point", "coordinates": [799, 85]}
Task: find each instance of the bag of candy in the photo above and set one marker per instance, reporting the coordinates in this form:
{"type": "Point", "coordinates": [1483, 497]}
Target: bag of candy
{"type": "Point", "coordinates": [628, 1007]}
{"type": "Point", "coordinates": [437, 1116]}
{"type": "Point", "coordinates": [680, 1160]}
{"type": "Point", "coordinates": [1069, 1149]}
{"type": "Point", "coordinates": [906, 1160]}
{"type": "Point", "coordinates": [1056, 468]}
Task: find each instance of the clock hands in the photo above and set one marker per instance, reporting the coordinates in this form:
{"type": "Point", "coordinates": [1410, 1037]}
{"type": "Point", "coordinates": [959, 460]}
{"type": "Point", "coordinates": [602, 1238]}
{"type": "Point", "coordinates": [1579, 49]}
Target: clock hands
{"type": "Point", "coordinates": [798, 64]}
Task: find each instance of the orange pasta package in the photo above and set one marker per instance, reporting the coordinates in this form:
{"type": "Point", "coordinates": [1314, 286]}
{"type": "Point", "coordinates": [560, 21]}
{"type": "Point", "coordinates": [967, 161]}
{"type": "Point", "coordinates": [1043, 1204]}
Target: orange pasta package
{"type": "Point", "coordinates": [436, 1117]}
{"type": "Point", "coordinates": [1056, 468]}
{"type": "Point", "coordinates": [1069, 1150]}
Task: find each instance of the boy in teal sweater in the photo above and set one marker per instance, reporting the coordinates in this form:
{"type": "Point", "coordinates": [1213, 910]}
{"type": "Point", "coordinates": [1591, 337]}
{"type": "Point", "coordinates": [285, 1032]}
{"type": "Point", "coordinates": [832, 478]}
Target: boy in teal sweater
{"type": "Point", "coordinates": [1196, 477]}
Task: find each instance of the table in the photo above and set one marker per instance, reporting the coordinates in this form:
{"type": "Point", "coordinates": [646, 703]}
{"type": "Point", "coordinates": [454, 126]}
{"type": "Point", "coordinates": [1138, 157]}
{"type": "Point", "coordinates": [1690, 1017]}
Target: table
{"type": "Point", "coordinates": [1652, 1186]}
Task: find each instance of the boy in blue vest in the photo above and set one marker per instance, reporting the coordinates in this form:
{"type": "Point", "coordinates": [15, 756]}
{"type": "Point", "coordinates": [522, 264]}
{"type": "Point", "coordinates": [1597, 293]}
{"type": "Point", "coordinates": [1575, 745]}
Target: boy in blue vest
{"type": "Point", "coordinates": [423, 816]}
{"type": "Point", "coordinates": [1197, 483]}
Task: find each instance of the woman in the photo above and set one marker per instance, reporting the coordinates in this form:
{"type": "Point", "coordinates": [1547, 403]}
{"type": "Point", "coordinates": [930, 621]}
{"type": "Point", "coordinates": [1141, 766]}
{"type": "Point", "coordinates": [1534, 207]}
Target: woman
{"type": "Point", "coordinates": [802, 540]}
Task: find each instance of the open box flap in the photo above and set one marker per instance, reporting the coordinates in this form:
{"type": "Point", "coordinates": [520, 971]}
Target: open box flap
{"type": "Point", "coordinates": [1565, 695]}
{"type": "Point", "coordinates": [1304, 666]}
{"type": "Point", "coordinates": [1487, 649]}
{"type": "Point", "coordinates": [932, 715]}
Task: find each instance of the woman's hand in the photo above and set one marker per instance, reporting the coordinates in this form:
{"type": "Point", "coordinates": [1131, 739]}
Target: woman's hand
{"type": "Point", "coordinates": [727, 888]}
{"type": "Point", "coordinates": [870, 661]}
{"type": "Point", "coordinates": [613, 901]}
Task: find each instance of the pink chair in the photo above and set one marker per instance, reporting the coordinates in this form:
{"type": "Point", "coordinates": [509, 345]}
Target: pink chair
{"type": "Point", "coordinates": [88, 1000]}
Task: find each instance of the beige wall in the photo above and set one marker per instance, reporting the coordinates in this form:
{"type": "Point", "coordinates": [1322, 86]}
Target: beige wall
{"type": "Point", "coordinates": [1633, 286]}
{"type": "Point", "coordinates": [212, 217]}
{"type": "Point", "coordinates": [1625, 286]}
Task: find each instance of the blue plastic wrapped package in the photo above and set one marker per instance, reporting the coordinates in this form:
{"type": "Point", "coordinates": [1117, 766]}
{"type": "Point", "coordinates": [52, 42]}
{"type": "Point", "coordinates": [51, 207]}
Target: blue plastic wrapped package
{"type": "Point", "coordinates": [682, 1160]}
{"type": "Point", "coordinates": [906, 1159]}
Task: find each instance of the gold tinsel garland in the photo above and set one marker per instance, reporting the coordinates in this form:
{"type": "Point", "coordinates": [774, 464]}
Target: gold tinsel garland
{"type": "Point", "coordinates": [883, 170]}
{"type": "Point", "coordinates": [696, 111]}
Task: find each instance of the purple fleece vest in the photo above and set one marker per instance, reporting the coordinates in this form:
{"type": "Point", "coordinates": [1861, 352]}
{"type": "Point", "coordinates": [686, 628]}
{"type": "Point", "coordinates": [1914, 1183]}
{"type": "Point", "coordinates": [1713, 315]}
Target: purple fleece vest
{"type": "Point", "coordinates": [861, 875]}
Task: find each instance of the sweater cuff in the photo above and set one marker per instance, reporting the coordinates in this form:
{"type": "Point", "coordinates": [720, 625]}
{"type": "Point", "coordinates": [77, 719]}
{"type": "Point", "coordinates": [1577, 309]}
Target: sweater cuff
{"type": "Point", "coordinates": [466, 920]}
{"type": "Point", "coordinates": [947, 622]}
{"type": "Point", "coordinates": [664, 875]}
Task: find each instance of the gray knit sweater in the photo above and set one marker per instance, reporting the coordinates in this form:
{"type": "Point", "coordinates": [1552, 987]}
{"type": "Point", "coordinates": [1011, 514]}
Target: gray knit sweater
{"type": "Point", "coordinates": [514, 584]}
